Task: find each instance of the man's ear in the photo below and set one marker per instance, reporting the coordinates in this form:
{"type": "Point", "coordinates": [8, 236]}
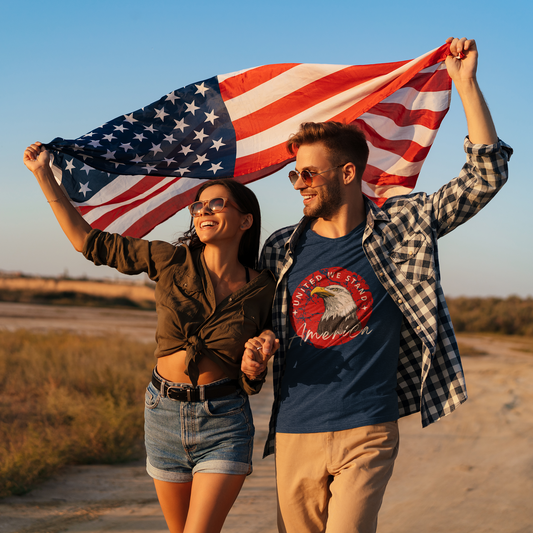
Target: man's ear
{"type": "Point", "coordinates": [247, 222]}
{"type": "Point", "coordinates": [349, 173]}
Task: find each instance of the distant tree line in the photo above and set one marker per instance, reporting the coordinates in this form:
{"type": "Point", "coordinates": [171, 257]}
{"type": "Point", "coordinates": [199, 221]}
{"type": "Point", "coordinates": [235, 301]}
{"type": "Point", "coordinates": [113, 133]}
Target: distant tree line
{"type": "Point", "coordinates": [508, 316]}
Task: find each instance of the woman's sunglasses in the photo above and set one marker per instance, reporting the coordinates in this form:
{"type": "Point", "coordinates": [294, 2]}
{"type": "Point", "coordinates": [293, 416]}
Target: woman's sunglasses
{"type": "Point", "coordinates": [215, 205]}
{"type": "Point", "coordinates": [307, 175]}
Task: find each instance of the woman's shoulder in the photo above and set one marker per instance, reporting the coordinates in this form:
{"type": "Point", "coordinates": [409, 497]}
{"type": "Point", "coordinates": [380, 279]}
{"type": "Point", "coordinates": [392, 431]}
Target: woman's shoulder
{"type": "Point", "coordinates": [266, 277]}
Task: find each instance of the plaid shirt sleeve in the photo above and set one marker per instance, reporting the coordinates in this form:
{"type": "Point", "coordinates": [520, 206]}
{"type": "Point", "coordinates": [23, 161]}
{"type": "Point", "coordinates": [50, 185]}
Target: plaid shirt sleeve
{"type": "Point", "coordinates": [401, 245]}
{"type": "Point", "coordinates": [482, 176]}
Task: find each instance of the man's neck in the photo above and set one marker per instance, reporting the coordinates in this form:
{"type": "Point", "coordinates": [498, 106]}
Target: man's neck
{"type": "Point", "coordinates": [345, 220]}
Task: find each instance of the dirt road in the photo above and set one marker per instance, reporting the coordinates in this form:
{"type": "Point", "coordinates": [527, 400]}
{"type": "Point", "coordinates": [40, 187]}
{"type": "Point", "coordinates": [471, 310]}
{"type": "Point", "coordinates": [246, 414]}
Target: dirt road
{"type": "Point", "coordinates": [472, 472]}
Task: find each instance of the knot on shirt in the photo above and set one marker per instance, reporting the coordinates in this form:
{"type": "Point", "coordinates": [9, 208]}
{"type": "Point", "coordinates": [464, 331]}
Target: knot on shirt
{"type": "Point", "coordinates": [195, 343]}
{"type": "Point", "coordinates": [194, 348]}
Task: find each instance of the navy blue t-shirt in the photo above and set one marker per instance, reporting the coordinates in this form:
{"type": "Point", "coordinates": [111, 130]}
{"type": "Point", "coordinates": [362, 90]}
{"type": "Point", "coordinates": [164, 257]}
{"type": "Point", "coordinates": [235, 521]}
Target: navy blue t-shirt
{"type": "Point", "coordinates": [344, 340]}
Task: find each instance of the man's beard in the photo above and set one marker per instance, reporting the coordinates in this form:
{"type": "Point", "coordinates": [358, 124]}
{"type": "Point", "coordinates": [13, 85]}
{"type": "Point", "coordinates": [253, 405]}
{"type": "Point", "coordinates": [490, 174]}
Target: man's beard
{"type": "Point", "coordinates": [327, 201]}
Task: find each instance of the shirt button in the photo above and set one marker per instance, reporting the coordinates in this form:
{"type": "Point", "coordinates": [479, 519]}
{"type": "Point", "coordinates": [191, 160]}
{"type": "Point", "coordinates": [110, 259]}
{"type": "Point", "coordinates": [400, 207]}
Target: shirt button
{"type": "Point", "coordinates": [418, 328]}
{"type": "Point", "coordinates": [399, 300]}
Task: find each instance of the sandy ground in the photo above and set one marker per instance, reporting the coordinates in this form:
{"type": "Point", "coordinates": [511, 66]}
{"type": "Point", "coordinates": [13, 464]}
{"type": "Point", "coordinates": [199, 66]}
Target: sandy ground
{"type": "Point", "coordinates": [471, 472]}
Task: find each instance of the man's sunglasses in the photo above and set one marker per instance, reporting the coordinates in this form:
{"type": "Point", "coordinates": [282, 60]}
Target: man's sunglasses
{"type": "Point", "coordinates": [215, 205]}
{"type": "Point", "coordinates": [307, 175]}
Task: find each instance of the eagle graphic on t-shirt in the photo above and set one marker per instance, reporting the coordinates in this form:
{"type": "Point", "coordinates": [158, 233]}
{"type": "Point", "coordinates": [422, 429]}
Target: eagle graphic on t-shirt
{"type": "Point", "coordinates": [340, 314]}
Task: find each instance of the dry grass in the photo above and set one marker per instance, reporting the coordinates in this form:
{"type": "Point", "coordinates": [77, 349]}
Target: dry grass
{"type": "Point", "coordinates": [59, 291]}
{"type": "Point", "coordinates": [68, 399]}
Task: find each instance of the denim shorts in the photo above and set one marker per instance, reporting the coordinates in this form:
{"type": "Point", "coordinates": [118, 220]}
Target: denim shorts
{"type": "Point", "coordinates": [183, 438]}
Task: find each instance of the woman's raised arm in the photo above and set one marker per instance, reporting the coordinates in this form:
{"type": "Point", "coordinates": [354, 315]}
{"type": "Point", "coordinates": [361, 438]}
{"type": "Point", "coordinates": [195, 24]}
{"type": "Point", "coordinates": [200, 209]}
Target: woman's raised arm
{"type": "Point", "coordinates": [37, 159]}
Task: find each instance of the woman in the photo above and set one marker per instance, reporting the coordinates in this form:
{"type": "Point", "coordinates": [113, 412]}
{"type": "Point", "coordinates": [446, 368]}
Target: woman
{"type": "Point", "coordinates": [210, 301]}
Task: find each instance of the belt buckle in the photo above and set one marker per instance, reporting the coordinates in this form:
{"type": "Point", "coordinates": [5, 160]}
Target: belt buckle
{"type": "Point", "coordinates": [192, 393]}
{"type": "Point", "coordinates": [176, 389]}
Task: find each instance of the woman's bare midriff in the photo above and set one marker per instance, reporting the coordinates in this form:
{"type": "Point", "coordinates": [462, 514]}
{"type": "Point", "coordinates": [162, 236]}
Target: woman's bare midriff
{"type": "Point", "coordinates": [172, 368]}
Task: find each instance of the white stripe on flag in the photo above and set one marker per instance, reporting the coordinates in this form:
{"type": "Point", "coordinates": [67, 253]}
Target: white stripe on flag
{"type": "Point", "coordinates": [384, 191]}
{"type": "Point", "coordinates": [416, 100]}
{"type": "Point", "coordinates": [392, 163]}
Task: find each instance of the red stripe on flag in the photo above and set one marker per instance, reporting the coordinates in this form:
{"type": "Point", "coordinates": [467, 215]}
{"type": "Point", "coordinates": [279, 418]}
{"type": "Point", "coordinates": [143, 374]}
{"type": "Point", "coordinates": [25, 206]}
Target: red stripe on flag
{"type": "Point", "coordinates": [254, 162]}
{"type": "Point", "coordinates": [377, 177]}
{"type": "Point", "coordinates": [107, 218]}
{"type": "Point", "coordinates": [250, 79]}
{"type": "Point", "coordinates": [402, 116]}
{"type": "Point", "coordinates": [438, 81]}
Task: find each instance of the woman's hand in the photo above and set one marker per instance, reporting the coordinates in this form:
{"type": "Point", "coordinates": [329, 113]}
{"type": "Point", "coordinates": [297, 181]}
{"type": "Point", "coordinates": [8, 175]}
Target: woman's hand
{"type": "Point", "coordinates": [36, 157]}
{"type": "Point", "coordinates": [257, 352]}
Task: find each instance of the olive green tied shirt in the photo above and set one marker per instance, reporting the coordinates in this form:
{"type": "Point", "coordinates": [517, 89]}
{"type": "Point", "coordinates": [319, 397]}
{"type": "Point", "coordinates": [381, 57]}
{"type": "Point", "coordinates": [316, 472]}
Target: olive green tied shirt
{"type": "Point", "coordinates": [188, 317]}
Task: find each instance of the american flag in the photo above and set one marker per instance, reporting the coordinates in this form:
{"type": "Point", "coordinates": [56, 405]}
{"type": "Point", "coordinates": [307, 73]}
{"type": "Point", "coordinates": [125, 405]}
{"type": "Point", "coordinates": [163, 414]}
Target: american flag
{"type": "Point", "coordinates": [139, 169]}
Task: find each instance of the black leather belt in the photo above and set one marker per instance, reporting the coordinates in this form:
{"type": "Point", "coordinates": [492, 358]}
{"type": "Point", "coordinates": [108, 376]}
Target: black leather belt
{"type": "Point", "coordinates": [195, 394]}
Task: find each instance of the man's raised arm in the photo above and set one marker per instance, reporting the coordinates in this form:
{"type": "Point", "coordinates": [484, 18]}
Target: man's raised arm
{"type": "Point", "coordinates": [481, 129]}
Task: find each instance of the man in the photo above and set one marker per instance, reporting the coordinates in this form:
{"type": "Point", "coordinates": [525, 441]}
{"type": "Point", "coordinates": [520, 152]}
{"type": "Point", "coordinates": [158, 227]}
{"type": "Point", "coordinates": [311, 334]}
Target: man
{"type": "Point", "coordinates": [358, 285]}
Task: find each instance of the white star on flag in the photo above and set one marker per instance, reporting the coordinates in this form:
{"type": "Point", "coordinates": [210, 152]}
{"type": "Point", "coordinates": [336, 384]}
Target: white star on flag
{"type": "Point", "coordinates": [210, 117]}
{"type": "Point", "coordinates": [84, 188]}
{"type": "Point", "coordinates": [200, 135]}
{"type": "Point", "coordinates": [202, 89]}
{"type": "Point", "coordinates": [216, 167]}
{"type": "Point", "coordinates": [180, 124]}
{"type": "Point", "coordinates": [201, 159]}
{"type": "Point", "coordinates": [185, 149]}
{"type": "Point", "coordinates": [171, 97]}
{"type": "Point", "coordinates": [87, 168]}
{"type": "Point", "coordinates": [160, 113]}
{"type": "Point", "coordinates": [218, 144]}
{"type": "Point", "coordinates": [192, 108]}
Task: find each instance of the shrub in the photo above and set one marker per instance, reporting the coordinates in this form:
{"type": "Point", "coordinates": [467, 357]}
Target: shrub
{"type": "Point", "coordinates": [508, 316]}
{"type": "Point", "coordinates": [68, 399]}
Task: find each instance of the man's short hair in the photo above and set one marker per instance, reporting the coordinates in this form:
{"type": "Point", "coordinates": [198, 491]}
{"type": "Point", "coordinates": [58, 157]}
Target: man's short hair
{"type": "Point", "coordinates": [346, 143]}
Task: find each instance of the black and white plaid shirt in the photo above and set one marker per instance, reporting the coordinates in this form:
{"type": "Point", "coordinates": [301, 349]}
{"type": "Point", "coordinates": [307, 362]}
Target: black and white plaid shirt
{"type": "Point", "coordinates": [400, 241]}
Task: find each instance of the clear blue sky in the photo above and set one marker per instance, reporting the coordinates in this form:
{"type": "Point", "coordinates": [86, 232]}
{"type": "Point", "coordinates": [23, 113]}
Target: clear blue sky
{"type": "Point", "coordinates": [66, 67]}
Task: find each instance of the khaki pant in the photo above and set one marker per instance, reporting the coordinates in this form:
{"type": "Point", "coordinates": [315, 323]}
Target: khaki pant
{"type": "Point", "coordinates": [334, 482]}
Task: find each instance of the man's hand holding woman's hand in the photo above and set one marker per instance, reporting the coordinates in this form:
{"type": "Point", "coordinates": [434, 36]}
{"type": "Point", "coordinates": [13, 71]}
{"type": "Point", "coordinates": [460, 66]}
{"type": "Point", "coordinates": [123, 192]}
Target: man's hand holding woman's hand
{"type": "Point", "coordinates": [257, 352]}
